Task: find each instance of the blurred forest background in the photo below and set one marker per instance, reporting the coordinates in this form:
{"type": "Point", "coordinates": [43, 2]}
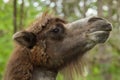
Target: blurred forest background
{"type": "Point", "coordinates": [103, 60]}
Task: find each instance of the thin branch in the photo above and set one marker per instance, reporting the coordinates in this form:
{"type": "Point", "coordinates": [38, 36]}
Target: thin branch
{"type": "Point", "coordinates": [99, 6]}
{"type": "Point", "coordinates": [85, 8]}
{"type": "Point", "coordinates": [115, 47]}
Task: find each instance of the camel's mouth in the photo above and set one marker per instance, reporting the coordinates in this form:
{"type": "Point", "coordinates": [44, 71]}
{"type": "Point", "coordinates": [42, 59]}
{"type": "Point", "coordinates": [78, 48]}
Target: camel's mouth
{"type": "Point", "coordinates": [99, 36]}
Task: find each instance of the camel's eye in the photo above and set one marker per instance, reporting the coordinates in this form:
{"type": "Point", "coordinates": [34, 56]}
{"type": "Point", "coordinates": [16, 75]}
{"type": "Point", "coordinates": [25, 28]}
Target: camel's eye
{"type": "Point", "coordinates": [57, 33]}
{"type": "Point", "coordinates": [58, 29]}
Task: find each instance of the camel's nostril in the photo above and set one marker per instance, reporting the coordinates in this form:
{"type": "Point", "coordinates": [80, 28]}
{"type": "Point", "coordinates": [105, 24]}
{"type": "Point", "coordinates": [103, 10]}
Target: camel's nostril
{"type": "Point", "coordinates": [94, 19]}
{"type": "Point", "coordinates": [108, 27]}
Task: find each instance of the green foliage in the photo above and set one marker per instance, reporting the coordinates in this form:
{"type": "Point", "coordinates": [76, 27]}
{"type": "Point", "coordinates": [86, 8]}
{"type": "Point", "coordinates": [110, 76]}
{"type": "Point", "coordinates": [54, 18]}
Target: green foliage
{"type": "Point", "coordinates": [5, 50]}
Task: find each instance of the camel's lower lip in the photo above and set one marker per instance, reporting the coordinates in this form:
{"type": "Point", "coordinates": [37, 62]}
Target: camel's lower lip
{"type": "Point", "coordinates": [99, 36]}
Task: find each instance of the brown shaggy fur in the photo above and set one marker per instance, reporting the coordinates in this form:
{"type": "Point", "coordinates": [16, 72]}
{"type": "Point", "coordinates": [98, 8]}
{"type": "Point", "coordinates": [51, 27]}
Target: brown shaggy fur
{"type": "Point", "coordinates": [24, 60]}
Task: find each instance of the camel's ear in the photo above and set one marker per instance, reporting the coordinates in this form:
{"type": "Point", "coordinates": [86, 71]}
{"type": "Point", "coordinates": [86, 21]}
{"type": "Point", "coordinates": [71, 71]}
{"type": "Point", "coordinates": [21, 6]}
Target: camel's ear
{"type": "Point", "coordinates": [25, 38]}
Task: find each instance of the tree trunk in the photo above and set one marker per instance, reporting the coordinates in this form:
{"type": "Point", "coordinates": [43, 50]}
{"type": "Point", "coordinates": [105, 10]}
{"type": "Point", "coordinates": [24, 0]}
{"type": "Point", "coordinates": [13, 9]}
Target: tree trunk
{"type": "Point", "coordinates": [15, 15]}
{"type": "Point", "coordinates": [102, 47]}
{"type": "Point", "coordinates": [21, 15]}
{"type": "Point", "coordinates": [110, 10]}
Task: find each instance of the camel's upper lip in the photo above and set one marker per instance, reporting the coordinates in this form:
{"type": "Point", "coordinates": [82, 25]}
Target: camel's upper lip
{"type": "Point", "coordinates": [105, 28]}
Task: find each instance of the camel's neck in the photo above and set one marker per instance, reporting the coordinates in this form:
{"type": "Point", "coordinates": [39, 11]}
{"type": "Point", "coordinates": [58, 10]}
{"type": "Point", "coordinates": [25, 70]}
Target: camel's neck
{"type": "Point", "coordinates": [41, 74]}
